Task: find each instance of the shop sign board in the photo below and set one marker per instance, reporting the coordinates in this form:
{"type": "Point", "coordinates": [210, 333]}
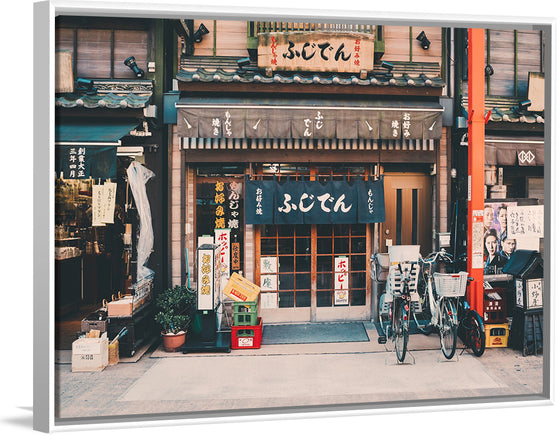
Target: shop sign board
{"type": "Point", "coordinates": [208, 267]}
{"type": "Point", "coordinates": [341, 281]}
{"type": "Point", "coordinates": [222, 238]}
{"type": "Point", "coordinates": [346, 52]}
{"type": "Point", "coordinates": [314, 202]}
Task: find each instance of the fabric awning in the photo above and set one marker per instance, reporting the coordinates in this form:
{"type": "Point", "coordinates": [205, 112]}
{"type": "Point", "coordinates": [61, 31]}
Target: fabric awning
{"type": "Point", "coordinates": [308, 119]}
{"type": "Point", "coordinates": [504, 151]}
{"type": "Point", "coordinates": [106, 133]}
{"type": "Point", "coordinates": [86, 150]}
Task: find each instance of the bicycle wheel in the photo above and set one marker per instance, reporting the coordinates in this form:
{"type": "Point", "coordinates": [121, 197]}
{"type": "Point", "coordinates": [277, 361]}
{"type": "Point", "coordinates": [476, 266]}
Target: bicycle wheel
{"type": "Point", "coordinates": [448, 330]}
{"type": "Point", "coordinates": [475, 338]}
{"type": "Point", "coordinates": [400, 331]}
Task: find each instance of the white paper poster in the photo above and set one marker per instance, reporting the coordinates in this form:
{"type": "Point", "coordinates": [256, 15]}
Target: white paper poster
{"type": "Point", "coordinates": [269, 265]}
{"type": "Point", "coordinates": [341, 281]}
{"type": "Point", "coordinates": [222, 238]}
{"type": "Point", "coordinates": [269, 300]}
{"type": "Point", "coordinates": [269, 283]}
{"type": "Point", "coordinates": [525, 221]}
{"type": "Point", "coordinates": [97, 205]}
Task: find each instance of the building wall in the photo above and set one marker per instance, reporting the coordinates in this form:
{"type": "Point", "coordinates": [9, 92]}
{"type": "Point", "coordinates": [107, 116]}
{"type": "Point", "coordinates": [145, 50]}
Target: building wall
{"type": "Point", "coordinates": [401, 44]}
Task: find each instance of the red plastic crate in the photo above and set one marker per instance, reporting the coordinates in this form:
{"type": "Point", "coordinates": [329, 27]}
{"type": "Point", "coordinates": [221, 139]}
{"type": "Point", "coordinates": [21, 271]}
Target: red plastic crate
{"type": "Point", "coordinates": [246, 336]}
{"type": "Point", "coordinates": [494, 311]}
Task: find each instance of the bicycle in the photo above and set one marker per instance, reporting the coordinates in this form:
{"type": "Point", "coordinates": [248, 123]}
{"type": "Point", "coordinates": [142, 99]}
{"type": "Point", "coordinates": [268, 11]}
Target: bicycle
{"type": "Point", "coordinates": [396, 304]}
{"type": "Point", "coordinates": [440, 299]}
{"type": "Point", "coordinates": [471, 328]}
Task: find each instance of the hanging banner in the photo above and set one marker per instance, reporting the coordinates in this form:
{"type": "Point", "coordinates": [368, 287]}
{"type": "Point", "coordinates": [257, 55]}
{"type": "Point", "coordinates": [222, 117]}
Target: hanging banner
{"type": "Point", "coordinates": [222, 238]}
{"type": "Point", "coordinates": [82, 162]}
{"type": "Point", "coordinates": [313, 202]}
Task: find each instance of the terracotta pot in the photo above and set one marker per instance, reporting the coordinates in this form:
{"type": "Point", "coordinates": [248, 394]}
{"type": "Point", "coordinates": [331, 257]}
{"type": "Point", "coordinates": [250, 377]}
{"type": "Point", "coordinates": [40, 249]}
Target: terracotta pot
{"type": "Point", "coordinates": [172, 342]}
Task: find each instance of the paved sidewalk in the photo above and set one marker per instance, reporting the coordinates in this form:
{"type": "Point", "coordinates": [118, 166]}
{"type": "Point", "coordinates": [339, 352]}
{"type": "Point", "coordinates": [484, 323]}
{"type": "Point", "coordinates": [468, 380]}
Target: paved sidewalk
{"type": "Point", "coordinates": [293, 375]}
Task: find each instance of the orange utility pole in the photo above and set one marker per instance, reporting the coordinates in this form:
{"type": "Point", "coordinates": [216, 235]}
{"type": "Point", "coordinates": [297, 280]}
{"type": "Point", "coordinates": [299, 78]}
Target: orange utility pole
{"type": "Point", "coordinates": [476, 124]}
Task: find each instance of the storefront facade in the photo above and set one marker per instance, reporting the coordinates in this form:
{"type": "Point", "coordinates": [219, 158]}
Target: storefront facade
{"type": "Point", "coordinates": [275, 155]}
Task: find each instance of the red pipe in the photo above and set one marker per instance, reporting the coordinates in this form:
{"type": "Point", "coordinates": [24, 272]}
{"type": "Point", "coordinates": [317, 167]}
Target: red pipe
{"type": "Point", "coordinates": [475, 246]}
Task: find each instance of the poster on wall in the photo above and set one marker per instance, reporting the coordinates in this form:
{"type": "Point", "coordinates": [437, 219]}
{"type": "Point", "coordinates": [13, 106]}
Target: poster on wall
{"type": "Point", "coordinates": [341, 281]}
{"type": "Point", "coordinates": [499, 239]}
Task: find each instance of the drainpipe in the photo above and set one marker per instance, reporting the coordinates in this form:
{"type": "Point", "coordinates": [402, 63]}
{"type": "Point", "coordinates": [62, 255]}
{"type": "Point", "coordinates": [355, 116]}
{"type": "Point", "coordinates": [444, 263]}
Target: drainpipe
{"type": "Point", "coordinates": [476, 123]}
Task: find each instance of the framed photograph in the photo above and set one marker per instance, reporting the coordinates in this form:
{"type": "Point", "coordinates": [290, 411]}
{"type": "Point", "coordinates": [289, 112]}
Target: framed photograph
{"type": "Point", "coordinates": [299, 144]}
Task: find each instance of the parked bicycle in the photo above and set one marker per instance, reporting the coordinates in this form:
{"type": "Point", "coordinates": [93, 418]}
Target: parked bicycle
{"type": "Point", "coordinates": [445, 309]}
{"type": "Point", "coordinates": [395, 306]}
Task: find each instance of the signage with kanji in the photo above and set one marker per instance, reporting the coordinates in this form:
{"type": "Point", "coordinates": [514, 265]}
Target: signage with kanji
{"type": "Point", "coordinates": [208, 268]}
{"type": "Point", "coordinates": [341, 281]}
{"type": "Point", "coordinates": [316, 51]}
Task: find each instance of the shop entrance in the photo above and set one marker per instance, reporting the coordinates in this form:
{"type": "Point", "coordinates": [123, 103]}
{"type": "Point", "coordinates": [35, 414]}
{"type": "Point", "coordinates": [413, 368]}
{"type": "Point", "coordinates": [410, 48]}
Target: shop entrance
{"type": "Point", "coordinates": [407, 211]}
{"type": "Point", "coordinates": [300, 270]}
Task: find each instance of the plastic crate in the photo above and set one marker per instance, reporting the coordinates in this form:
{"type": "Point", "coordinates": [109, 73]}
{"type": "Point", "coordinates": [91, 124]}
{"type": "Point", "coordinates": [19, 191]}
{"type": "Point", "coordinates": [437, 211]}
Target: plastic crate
{"type": "Point", "coordinates": [245, 313]}
{"type": "Point", "coordinates": [497, 335]}
{"type": "Point", "coordinates": [451, 285]}
{"type": "Point", "coordinates": [247, 337]}
{"type": "Point", "coordinates": [494, 306]}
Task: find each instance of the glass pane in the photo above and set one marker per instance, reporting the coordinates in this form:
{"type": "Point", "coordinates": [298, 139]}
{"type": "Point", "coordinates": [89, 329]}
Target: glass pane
{"type": "Point", "coordinates": [341, 230]}
{"type": "Point", "coordinates": [285, 299]}
{"type": "Point", "coordinates": [303, 230]}
{"type": "Point", "coordinates": [324, 299]}
{"type": "Point", "coordinates": [358, 230]}
{"type": "Point", "coordinates": [303, 263]}
{"type": "Point", "coordinates": [286, 264]}
{"type": "Point", "coordinates": [358, 262]}
{"type": "Point", "coordinates": [324, 281]}
{"type": "Point", "coordinates": [324, 263]}
{"type": "Point", "coordinates": [324, 246]}
{"type": "Point", "coordinates": [358, 245]}
{"type": "Point", "coordinates": [303, 299]}
{"type": "Point", "coordinates": [268, 230]}
{"type": "Point", "coordinates": [303, 280]}
{"type": "Point", "coordinates": [303, 246]}
{"type": "Point", "coordinates": [285, 230]}
{"type": "Point", "coordinates": [357, 297]}
{"type": "Point", "coordinates": [285, 246]}
{"type": "Point", "coordinates": [268, 246]}
{"type": "Point", "coordinates": [324, 230]}
{"type": "Point", "coordinates": [341, 246]}
{"type": "Point", "coordinates": [358, 280]}
{"type": "Point", "coordinates": [286, 281]}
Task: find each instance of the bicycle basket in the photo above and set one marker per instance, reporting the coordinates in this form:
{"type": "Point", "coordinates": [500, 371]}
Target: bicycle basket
{"type": "Point", "coordinates": [451, 284]}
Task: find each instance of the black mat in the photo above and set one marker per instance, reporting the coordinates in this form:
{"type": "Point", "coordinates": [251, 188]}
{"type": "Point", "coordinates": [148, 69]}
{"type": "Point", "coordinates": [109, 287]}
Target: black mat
{"type": "Point", "coordinates": [335, 332]}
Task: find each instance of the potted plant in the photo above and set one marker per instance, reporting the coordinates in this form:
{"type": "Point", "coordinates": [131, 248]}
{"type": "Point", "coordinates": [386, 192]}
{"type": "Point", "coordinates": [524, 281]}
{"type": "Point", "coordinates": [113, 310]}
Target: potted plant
{"type": "Point", "coordinates": [176, 307]}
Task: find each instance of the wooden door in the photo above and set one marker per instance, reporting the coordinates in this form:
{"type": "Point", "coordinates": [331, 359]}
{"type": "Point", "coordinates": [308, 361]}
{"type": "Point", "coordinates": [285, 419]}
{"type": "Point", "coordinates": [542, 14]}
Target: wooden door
{"type": "Point", "coordinates": [408, 211]}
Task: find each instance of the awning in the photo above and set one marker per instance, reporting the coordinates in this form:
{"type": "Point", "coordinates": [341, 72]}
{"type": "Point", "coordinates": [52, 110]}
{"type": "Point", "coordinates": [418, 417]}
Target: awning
{"type": "Point", "coordinates": [106, 133]}
{"type": "Point", "coordinates": [504, 151]}
{"type": "Point", "coordinates": [86, 150]}
{"type": "Point", "coordinates": [308, 119]}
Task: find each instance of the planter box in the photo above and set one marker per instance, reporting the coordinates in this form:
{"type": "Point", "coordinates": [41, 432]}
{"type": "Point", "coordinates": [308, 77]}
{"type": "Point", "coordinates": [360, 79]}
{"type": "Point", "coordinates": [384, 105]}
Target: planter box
{"type": "Point", "coordinates": [90, 354]}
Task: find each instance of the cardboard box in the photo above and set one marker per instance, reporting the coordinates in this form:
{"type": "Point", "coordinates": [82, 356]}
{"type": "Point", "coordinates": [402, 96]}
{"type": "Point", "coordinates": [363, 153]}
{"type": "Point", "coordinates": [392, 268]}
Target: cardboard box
{"type": "Point", "coordinates": [121, 307]}
{"type": "Point", "coordinates": [90, 354]}
{"type": "Point", "coordinates": [241, 289]}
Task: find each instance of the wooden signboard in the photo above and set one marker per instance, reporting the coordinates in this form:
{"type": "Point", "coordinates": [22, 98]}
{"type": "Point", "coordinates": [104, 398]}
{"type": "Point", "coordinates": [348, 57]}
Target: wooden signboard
{"type": "Point", "coordinates": [316, 51]}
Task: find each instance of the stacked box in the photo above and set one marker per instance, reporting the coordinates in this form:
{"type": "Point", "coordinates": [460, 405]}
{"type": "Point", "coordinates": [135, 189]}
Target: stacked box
{"type": "Point", "coordinates": [245, 313]}
{"type": "Point", "coordinates": [90, 354]}
{"type": "Point", "coordinates": [494, 306]}
{"type": "Point", "coordinates": [247, 337]}
{"type": "Point", "coordinates": [497, 335]}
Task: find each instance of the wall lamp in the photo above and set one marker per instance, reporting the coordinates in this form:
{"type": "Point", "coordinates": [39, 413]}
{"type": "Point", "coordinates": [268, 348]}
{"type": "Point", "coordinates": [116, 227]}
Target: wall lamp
{"type": "Point", "coordinates": [86, 85]}
{"type": "Point", "coordinates": [424, 41]}
{"type": "Point", "coordinates": [242, 63]}
{"type": "Point", "coordinates": [199, 34]}
{"type": "Point", "coordinates": [488, 70]}
{"type": "Point", "coordinates": [131, 63]}
{"type": "Point", "coordinates": [522, 106]}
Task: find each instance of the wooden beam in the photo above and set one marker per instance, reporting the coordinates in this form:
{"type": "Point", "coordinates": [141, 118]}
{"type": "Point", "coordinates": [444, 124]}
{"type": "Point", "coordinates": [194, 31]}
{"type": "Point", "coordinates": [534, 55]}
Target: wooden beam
{"type": "Point", "coordinates": [319, 156]}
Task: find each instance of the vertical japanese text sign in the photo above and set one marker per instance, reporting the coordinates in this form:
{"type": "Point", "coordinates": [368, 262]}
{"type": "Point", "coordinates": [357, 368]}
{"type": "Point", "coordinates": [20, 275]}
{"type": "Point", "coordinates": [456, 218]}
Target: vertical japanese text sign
{"type": "Point", "coordinates": [341, 281]}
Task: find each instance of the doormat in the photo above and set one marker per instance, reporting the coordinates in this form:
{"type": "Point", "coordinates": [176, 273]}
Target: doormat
{"type": "Point", "coordinates": [334, 332]}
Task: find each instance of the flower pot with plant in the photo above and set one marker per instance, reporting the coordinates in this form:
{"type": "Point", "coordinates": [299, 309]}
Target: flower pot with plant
{"type": "Point", "coordinates": [175, 311]}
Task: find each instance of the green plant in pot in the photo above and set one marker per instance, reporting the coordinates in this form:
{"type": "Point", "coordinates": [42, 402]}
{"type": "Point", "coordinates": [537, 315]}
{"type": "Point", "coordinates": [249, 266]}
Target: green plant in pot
{"type": "Point", "coordinates": [176, 307]}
